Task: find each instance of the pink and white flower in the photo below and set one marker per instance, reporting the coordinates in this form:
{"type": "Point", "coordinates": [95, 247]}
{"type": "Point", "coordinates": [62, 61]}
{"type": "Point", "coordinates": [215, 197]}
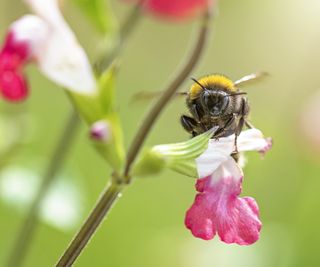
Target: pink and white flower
{"type": "Point", "coordinates": [217, 207]}
{"type": "Point", "coordinates": [44, 38]}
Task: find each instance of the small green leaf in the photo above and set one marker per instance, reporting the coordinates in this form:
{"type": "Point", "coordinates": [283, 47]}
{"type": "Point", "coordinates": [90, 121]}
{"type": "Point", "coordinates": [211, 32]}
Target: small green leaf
{"type": "Point", "coordinates": [179, 157]}
{"type": "Point", "coordinates": [100, 14]}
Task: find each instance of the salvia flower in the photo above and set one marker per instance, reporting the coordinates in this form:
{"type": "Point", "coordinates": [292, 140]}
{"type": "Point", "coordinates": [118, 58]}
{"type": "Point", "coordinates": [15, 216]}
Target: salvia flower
{"type": "Point", "coordinates": [173, 9]}
{"type": "Point", "coordinates": [217, 207]}
{"type": "Point", "coordinates": [44, 38]}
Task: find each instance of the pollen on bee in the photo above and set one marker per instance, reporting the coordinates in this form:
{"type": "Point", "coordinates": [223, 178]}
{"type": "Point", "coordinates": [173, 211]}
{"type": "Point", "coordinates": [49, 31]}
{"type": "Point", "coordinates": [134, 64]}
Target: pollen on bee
{"type": "Point", "coordinates": [212, 81]}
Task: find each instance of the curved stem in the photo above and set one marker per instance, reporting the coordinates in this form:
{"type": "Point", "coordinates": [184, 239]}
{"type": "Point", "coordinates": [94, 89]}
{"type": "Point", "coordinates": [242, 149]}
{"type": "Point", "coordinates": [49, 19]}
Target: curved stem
{"type": "Point", "coordinates": [26, 232]}
{"type": "Point", "coordinates": [95, 218]}
{"type": "Point", "coordinates": [112, 192]}
{"type": "Point", "coordinates": [168, 93]}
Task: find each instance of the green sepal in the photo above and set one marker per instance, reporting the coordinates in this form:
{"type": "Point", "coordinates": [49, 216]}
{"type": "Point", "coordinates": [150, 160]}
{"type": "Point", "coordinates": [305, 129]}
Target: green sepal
{"type": "Point", "coordinates": [100, 14]}
{"type": "Point", "coordinates": [179, 157]}
{"type": "Point", "coordinates": [106, 85]}
{"type": "Point", "coordinates": [95, 107]}
{"type": "Point", "coordinates": [98, 107]}
{"type": "Point", "coordinates": [150, 163]}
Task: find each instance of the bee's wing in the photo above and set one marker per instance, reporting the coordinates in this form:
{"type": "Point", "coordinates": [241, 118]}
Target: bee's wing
{"type": "Point", "coordinates": [143, 95]}
{"type": "Point", "coordinates": [251, 77]}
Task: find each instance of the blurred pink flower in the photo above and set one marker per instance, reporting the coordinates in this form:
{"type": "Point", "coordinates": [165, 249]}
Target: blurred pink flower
{"type": "Point", "coordinates": [173, 9]}
{"type": "Point", "coordinates": [310, 122]}
{"type": "Point", "coordinates": [47, 40]}
{"type": "Point", "coordinates": [13, 84]}
{"type": "Point", "coordinates": [217, 207]}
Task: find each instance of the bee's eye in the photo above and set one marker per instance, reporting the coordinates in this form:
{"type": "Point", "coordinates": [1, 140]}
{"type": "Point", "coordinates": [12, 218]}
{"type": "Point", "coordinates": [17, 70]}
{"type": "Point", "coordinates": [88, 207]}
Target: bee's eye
{"type": "Point", "coordinates": [206, 99]}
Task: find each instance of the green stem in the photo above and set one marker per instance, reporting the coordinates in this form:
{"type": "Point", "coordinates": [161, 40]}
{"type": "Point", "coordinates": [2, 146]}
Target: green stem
{"type": "Point", "coordinates": [111, 194]}
{"type": "Point", "coordinates": [26, 232]}
{"type": "Point", "coordinates": [95, 218]}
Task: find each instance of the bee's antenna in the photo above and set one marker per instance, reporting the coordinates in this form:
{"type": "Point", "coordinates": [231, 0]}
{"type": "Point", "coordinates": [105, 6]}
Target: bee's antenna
{"type": "Point", "coordinates": [196, 81]}
{"type": "Point", "coordinates": [239, 93]}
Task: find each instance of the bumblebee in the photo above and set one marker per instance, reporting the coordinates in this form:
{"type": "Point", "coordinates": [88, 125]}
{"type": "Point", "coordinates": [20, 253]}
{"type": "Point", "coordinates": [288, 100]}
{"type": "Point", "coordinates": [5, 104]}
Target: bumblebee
{"type": "Point", "coordinates": [215, 100]}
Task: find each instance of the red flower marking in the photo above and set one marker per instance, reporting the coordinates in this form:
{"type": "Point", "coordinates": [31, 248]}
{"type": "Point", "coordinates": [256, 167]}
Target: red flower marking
{"type": "Point", "coordinates": [174, 9]}
{"type": "Point", "coordinates": [218, 208]}
{"type": "Point", "coordinates": [13, 56]}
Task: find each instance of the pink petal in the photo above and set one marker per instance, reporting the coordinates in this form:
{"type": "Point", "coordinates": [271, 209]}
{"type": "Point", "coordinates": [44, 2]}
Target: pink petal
{"type": "Point", "coordinates": [13, 56]}
{"type": "Point", "coordinates": [174, 9]}
{"type": "Point", "coordinates": [218, 208]}
{"type": "Point", "coordinates": [13, 47]}
{"type": "Point", "coordinates": [13, 86]}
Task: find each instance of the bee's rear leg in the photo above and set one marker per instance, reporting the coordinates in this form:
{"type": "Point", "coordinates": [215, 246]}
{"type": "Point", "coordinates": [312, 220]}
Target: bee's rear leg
{"type": "Point", "coordinates": [238, 130]}
{"type": "Point", "coordinates": [189, 124]}
{"type": "Point", "coordinates": [249, 125]}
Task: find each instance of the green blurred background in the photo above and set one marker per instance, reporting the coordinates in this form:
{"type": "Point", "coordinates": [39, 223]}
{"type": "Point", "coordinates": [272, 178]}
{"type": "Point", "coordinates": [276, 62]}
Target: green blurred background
{"type": "Point", "coordinates": [146, 228]}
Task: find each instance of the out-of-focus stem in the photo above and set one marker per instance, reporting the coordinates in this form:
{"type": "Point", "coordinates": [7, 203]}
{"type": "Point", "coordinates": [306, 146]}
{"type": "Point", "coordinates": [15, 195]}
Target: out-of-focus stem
{"type": "Point", "coordinates": [26, 232]}
{"type": "Point", "coordinates": [126, 29]}
{"type": "Point", "coordinates": [110, 195]}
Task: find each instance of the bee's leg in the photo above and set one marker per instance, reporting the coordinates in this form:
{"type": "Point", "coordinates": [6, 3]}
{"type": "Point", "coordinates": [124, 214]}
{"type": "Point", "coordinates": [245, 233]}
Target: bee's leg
{"type": "Point", "coordinates": [249, 124]}
{"type": "Point", "coordinates": [189, 124]}
{"type": "Point", "coordinates": [237, 133]}
{"type": "Point", "coordinates": [244, 110]}
{"type": "Point", "coordinates": [221, 131]}
{"type": "Point", "coordinates": [194, 109]}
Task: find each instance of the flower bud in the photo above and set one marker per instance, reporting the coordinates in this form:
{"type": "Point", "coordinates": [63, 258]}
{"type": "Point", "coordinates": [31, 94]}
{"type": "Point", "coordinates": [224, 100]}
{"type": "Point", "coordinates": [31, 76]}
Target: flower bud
{"type": "Point", "coordinates": [101, 131]}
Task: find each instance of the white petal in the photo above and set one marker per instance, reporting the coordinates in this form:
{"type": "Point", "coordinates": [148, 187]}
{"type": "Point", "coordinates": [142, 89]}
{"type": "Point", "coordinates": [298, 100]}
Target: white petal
{"type": "Point", "coordinates": [48, 10]}
{"type": "Point", "coordinates": [219, 151]}
{"type": "Point", "coordinates": [228, 169]}
{"type": "Point", "coordinates": [61, 58]}
{"type": "Point", "coordinates": [31, 30]}
{"type": "Point", "coordinates": [252, 140]}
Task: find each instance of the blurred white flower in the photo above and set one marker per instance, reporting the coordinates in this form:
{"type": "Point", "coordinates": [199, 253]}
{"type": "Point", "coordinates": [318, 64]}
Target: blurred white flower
{"type": "Point", "coordinates": [47, 39]}
{"type": "Point", "coordinates": [62, 207]}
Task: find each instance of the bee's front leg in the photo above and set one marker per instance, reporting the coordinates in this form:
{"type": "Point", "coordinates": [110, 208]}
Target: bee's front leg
{"type": "Point", "coordinates": [189, 124]}
{"type": "Point", "coordinates": [221, 132]}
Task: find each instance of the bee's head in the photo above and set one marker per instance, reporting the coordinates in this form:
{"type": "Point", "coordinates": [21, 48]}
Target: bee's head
{"type": "Point", "coordinates": [213, 96]}
{"type": "Point", "coordinates": [214, 102]}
